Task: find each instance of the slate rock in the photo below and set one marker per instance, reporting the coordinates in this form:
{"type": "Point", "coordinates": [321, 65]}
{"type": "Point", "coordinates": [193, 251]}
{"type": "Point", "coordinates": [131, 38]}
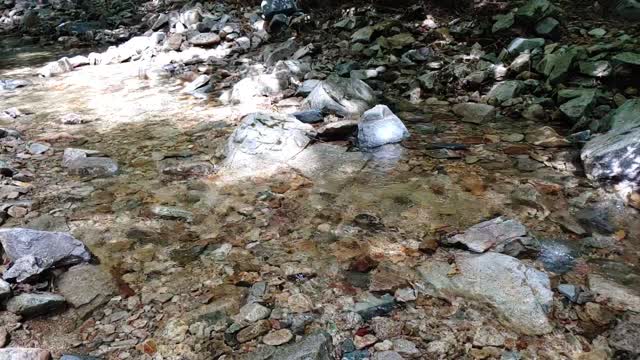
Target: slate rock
{"type": "Point", "coordinates": [613, 156]}
{"type": "Point", "coordinates": [627, 116]}
{"type": "Point", "coordinates": [534, 10]}
{"type": "Point", "coordinates": [341, 96]}
{"type": "Point", "coordinates": [474, 112]}
{"type": "Point", "coordinates": [556, 66]}
{"type": "Point", "coordinates": [34, 304]}
{"type": "Point", "coordinates": [86, 287]}
{"type": "Point", "coordinates": [497, 235]}
{"type": "Point", "coordinates": [264, 139]}
{"type": "Point", "coordinates": [24, 354]}
{"type": "Point", "coordinates": [379, 126]}
{"type": "Point", "coordinates": [503, 22]}
{"type": "Point", "coordinates": [598, 69]}
{"type": "Point", "coordinates": [520, 295]}
{"type": "Point", "coordinates": [317, 346]}
{"type": "Point", "coordinates": [581, 102]}
{"type": "Point", "coordinates": [52, 249]}
{"type": "Point", "coordinates": [307, 87]}
{"type": "Point", "coordinates": [201, 85]}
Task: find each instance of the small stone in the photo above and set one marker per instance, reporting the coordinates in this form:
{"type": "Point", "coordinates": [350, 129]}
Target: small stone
{"type": "Point", "coordinates": [278, 337]}
{"type": "Point", "coordinates": [362, 342]}
{"type": "Point", "coordinates": [569, 291]}
{"type": "Point", "coordinates": [405, 295]}
{"type": "Point", "coordinates": [37, 148]}
{"type": "Point", "coordinates": [405, 347]}
{"type": "Point", "coordinates": [519, 45]}
{"type": "Point", "coordinates": [598, 32]}
{"type": "Point", "coordinates": [253, 331]}
{"type": "Point", "coordinates": [299, 303]}
{"type": "Point", "coordinates": [172, 213]}
{"type": "Point", "coordinates": [387, 355]}
{"type": "Point", "coordinates": [205, 39]}
{"type": "Point", "coordinates": [383, 346]}
{"type": "Point", "coordinates": [253, 312]}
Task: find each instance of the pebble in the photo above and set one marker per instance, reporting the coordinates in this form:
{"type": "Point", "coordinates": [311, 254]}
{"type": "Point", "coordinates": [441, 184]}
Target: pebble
{"type": "Point", "coordinates": [278, 337]}
{"type": "Point", "coordinates": [362, 342]}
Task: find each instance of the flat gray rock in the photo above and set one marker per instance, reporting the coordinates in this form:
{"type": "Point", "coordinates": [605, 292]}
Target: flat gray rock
{"type": "Point", "coordinates": [617, 295]}
{"type": "Point", "coordinates": [498, 235]}
{"type": "Point", "coordinates": [84, 162]}
{"type": "Point", "coordinates": [34, 304]}
{"type": "Point", "coordinates": [474, 112]}
{"type": "Point", "coordinates": [520, 295]}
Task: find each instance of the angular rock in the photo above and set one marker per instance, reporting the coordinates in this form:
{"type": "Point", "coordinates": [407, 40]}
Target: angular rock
{"type": "Point", "coordinates": [379, 126]}
{"type": "Point", "coordinates": [617, 295]}
{"type": "Point", "coordinates": [503, 22]}
{"type": "Point", "coordinates": [581, 102]}
{"type": "Point", "coordinates": [363, 35]}
{"type": "Point", "coordinates": [546, 136]}
{"type": "Point", "coordinates": [86, 287]}
{"type": "Point", "coordinates": [264, 139]}
{"type": "Point", "coordinates": [24, 354]}
{"type": "Point", "coordinates": [599, 69]}
{"type": "Point", "coordinates": [200, 85]}
{"type": "Point", "coordinates": [520, 295]}
{"type": "Point", "coordinates": [534, 10]}
{"type": "Point", "coordinates": [309, 116]}
{"type": "Point", "coordinates": [613, 156]}
{"type": "Point", "coordinates": [34, 304]}
{"type": "Point", "coordinates": [253, 312]}
{"type": "Point", "coordinates": [474, 112]}
{"type": "Point", "coordinates": [9, 84]}
{"type": "Point", "coordinates": [56, 68]}
{"type": "Point", "coordinates": [341, 96]}
{"type": "Point", "coordinates": [51, 249]}
{"type": "Point", "coordinates": [505, 90]}
{"type": "Point", "coordinates": [317, 346]}
{"type": "Point", "coordinates": [253, 331]}
{"type": "Point", "coordinates": [626, 116]}
{"type": "Point", "coordinates": [307, 87]}
{"type": "Point", "coordinates": [627, 58]}
{"type": "Point", "coordinates": [338, 130]}
{"type": "Point", "coordinates": [548, 27]}
{"type": "Point", "coordinates": [25, 268]}
{"type": "Point", "coordinates": [497, 235]}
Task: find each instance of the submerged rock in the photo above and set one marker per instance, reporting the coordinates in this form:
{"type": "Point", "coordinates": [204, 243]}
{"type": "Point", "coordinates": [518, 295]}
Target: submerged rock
{"type": "Point", "coordinates": [34, 304]}
{"type": "Point", "coordinates": [264, 139]}
{"type": "Point", "coordinates": [499, 234]}
{"type": "Point", "coordinates": [88, 163]}
{"type": "Point", "coordinates": [475, 113]}
{"type": "Point", "coordinates": [86, 287]}
{"type": "Point", "coordinates": [50, 249]}
{"type": "Point", "coordinates": [342, 96]}
{"type": "Point", "coordinates": [379, 126]}
{"type": "Point", "coordinates": [520, 295]}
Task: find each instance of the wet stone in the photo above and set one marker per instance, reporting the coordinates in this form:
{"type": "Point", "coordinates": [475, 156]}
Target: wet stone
{"type": "Point", "coordinates": [341, 96]}
{"type": "Point", "coordinates": [496, 234]}
{"type": "Point", "coordinates": [475, 113]}
{"type": "Point", "coordinates": [505, 90]}
{"type": "Point", "coordinates": [379, 126]}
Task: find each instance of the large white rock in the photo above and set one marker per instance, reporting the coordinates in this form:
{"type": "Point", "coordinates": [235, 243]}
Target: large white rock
{"type": "Point", "coordinates": [379, 126]}
{"type": "Point", "coordinates": [520, 295]}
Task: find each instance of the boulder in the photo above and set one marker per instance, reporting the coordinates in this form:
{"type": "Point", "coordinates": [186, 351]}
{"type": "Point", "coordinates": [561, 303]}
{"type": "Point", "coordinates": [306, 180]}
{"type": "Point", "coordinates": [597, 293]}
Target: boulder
{"type": "Point", "coordinates": [56, 68]}
{"type": "Point", "coordinates": [520, 295]}
{"type": "Point", "coordinates": [613, 156]}
{"type": "Point", "coordinates": [598, 69]}
{"type": "Point", "coordinates": [264, 139]}
{"type": "Point", "coordinates": [379, 126]}
{"type": "Point", "coordinates": [556, 66]}
{"type": "Point", "coordinates": [257, 86]}
{"type": "Point", "coordinates": [50, 249]}
{"type": "Point", "coordinates": [341, 96]}
{"type": "Point", "coordinates": [475, 113]}
{"type": "Point", "coordinates": [500, 235]}
{"type": "Point", "coordinates": [24, 354]}
{"type": "Point", "coordinates": [34, 304]}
